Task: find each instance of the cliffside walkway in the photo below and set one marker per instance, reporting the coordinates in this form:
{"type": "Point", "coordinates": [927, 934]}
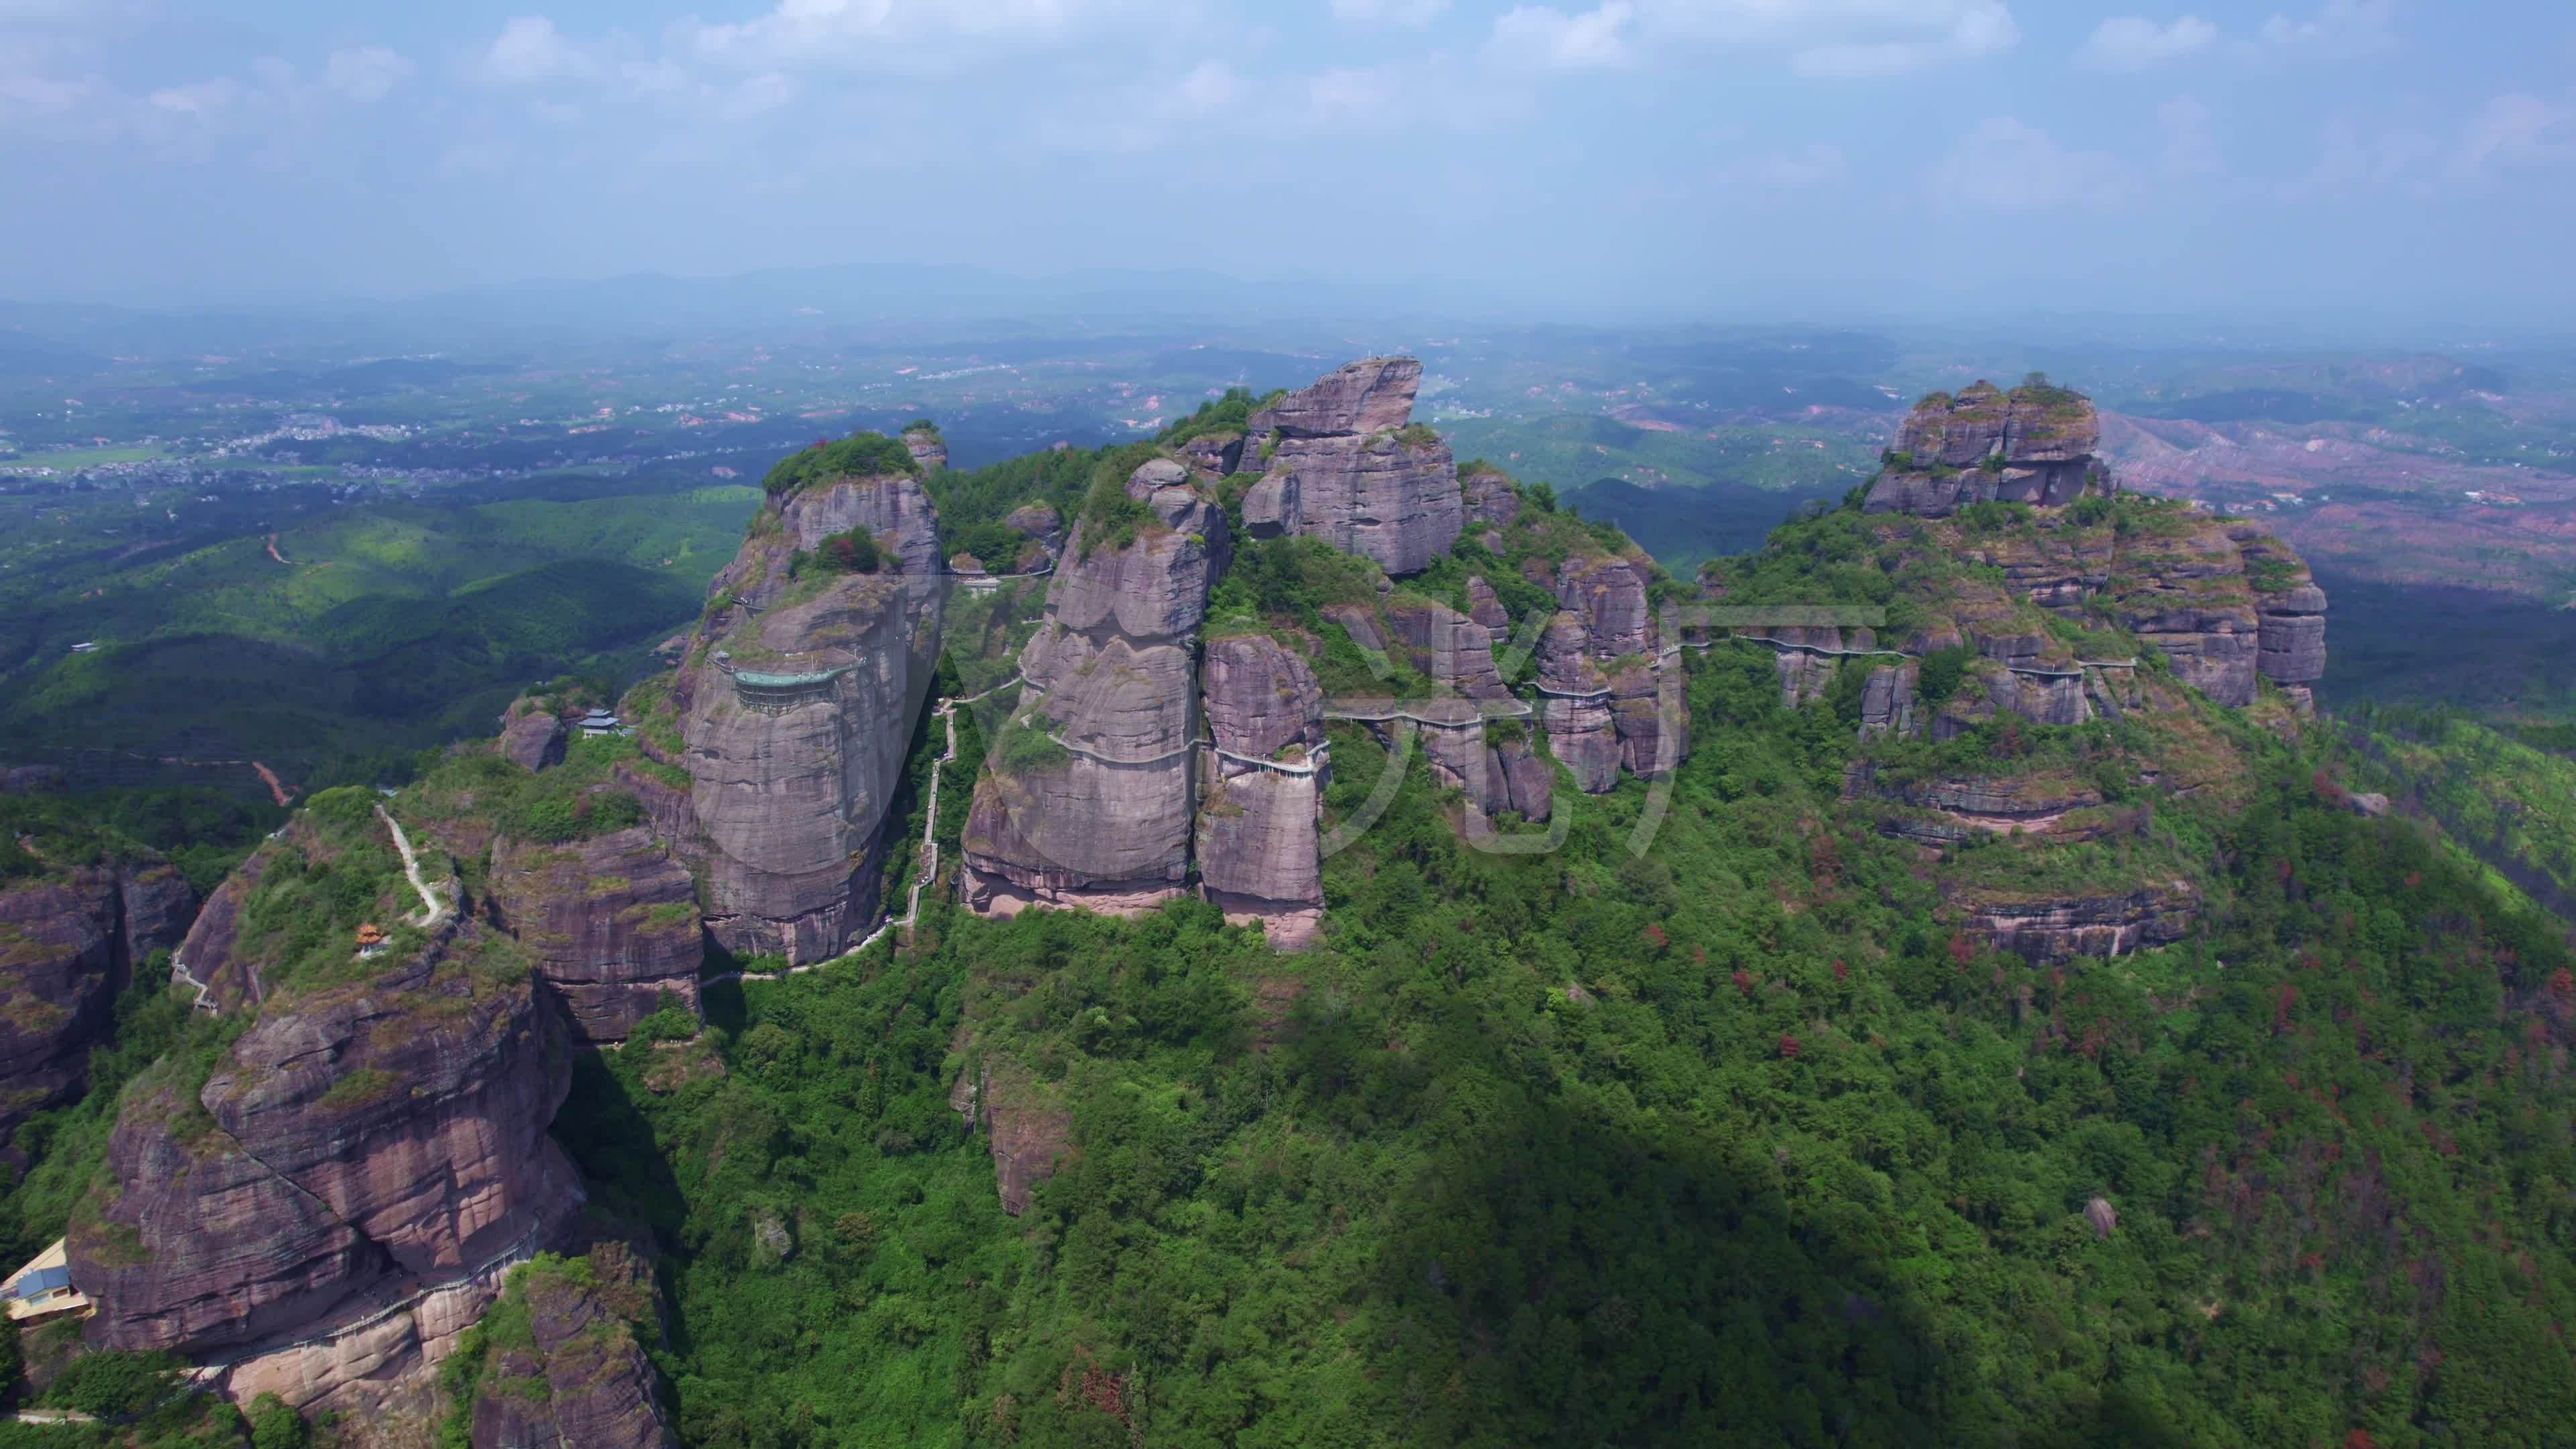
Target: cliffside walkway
{"type": "Point", "coordinates": [1785, 646]}
{"type": "Point", "coordinates": [182, 976]}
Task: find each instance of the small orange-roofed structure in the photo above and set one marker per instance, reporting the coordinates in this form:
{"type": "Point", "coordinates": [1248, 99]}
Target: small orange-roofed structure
{"type": "Point", "coordinates": [371, 939]}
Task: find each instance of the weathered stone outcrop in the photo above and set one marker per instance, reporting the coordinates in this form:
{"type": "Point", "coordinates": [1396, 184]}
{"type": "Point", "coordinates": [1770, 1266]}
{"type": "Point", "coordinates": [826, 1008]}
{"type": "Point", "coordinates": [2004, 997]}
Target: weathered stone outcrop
{"type": "Point", "coordinates": [2058, 928]}
{"type": "Point", "coordinates": [2185, 593]}
{"type": "Point", "coordinates": [1955, 806]}
{"type": "Point", "coordinates": [1600, 667]}
{"type": "Point", "coordinates": [611, 924]}
{"type": "Point", "coordinates": [2034, 444]}
{"type": "Point", "coordinates": [1262, 788]}
{"type": "Point", "coordinates": [1028, 1131]}
{"type": "Point", "coordinates": [1041, 525]}
{"type": "Point", "coordinates": [569, 1370]}
{"type": "Point", "coordinates": [360, 1143]}
{"type": "Point", "coordinates": [68, 945]}
{"type": "Point", "coordinates": [1574, 698]}
{"type": "Point", "coordinates": [1099, 814]}
{"type": "Point", "coordinates": [796, 707]}
{"type": "Point", "coordinates": [926, 447]}
{"type": "Point", "coordinates": [1341, 462]}
{"type": "Point", "coordinates": [1489, 498]}
{"type": "Point", "coordinates": [1887, 701]}
{"type": "Point", "coordinates": [531, 737]}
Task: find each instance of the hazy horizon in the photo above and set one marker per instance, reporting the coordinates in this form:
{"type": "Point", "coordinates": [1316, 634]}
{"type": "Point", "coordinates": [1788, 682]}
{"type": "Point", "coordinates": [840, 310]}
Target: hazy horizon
{"type": "Point", "coordinates": [1698, 159]}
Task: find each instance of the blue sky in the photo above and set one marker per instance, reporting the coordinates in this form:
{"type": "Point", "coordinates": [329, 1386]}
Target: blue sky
{"type": "Point", "coordinates": [1684, 157]}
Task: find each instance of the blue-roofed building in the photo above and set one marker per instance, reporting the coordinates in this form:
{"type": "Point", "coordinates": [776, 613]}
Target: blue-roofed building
{"type": "Point", "coordinates": [42, 1290]}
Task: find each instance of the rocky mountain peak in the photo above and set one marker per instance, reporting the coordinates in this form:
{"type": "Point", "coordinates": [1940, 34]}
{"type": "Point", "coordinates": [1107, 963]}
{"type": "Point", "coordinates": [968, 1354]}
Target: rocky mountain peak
{"type": "Point", "coordinates": [2034, 444]}
{"type": "Point", "coordinates": [1343, 461]}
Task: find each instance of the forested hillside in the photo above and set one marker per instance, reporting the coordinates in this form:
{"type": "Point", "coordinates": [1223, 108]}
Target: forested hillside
{"type": "Point", "coordinates": [2017, 1019]}
{"type": "Point", "coordinates": [1736, 1139]}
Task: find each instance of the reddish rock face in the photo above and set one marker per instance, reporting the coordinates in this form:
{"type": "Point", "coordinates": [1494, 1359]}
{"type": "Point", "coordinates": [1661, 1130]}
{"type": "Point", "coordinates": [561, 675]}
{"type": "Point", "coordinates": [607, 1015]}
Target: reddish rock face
{"type": "Point", "coordinates": [926, 448]}
{"type": "Point", "coordinates": [531, 737]}
{"type": "Point", "coordinates": [1490, 498]}
{"type": "Point", "coordinates": [790, 787]}
{"type": "Point", "coordinates": [1029, 1135]}
{"type": "Point", "coordinates": [67, 946]}
{"type": "Point", "coordinates": [1111, 676]}
{"type": "Point", "coordinates": [393, 1128]}
{"type": "Point", "coordinates": [2031, 445]}
{"type": "Point", "coordinates": [611, 924]}
{"type": "Point", "coordinates": [1345, 468]}
{"type": "Point", "coordinates": [1257, 824]}
{"type": "Point", "coordinates": [1367, 396]}
{"type": "Point", "coordinates": [2057, 928]}
{"type": "Point", "coordinates": [599, 1386]}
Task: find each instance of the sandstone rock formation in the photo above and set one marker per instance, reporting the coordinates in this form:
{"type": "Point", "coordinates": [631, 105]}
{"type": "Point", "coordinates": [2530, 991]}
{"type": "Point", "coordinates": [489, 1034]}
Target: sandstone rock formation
{"type": "Point", "coordinates": [796, 706]}
{"type": "Point", "coordinates": [2045, 928]}
{"type": "Point", "coordinates": [531, 737]}
{"type": "Point", "coordinates": [1600, 674]}
{"type": "Point", "coordinates": [69, 942]}
{"type": "Point", "coordinates": [368, 1144]}
{"type": "Point", "coordinates": [2034, 444]}
{"type": "Point", "coordinates": [575, 1373]}
{"type": "Point", "coordinates": [927, 448]}
{"type": "Point", "coordinates": [1095, 807]}
{"type": "Point", "coordinates": [611, 924]}
{"type": "Point", "coordinates": [1027, 1131]}
{"type": "Point", "coordinates": [1341, 462]}
{"type": "Point", "coordinates": [2224, 602]}
{"type": "Point", "coordinates": [1041, 525]}
{"type": "Point", "coordinates": [1261, 788]}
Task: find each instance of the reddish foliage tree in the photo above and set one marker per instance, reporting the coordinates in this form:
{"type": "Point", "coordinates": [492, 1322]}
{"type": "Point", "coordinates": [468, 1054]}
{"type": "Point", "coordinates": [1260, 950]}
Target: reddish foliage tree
{"type": "Point", "coordinates": [1744, 981]}
{"type": "Point", "coordinates": [1841, 971]}
{"type": "Point", "coordinates": [1655, 937]}
{"type": "Point", "coordinates": [1788, 1045]}
{"type": "Point", "coordinates": [1962, 950]}
{"type": "Point", "coordinates": [2282, 996]}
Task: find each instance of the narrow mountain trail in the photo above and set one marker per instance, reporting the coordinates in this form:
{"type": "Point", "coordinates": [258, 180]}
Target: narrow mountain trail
{"type": "Point", "coordinates": [432, 910]}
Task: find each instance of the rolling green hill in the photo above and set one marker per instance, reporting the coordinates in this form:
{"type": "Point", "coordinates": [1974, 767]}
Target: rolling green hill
{"type": "Point", "coordinates": [370, 631]}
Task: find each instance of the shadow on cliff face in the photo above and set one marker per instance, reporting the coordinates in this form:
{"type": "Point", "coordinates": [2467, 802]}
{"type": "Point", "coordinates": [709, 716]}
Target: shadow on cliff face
{"type": "Point", "coordinates": [612, 1142]}
{"type": "Point", "coordinates": [1561, 1279]}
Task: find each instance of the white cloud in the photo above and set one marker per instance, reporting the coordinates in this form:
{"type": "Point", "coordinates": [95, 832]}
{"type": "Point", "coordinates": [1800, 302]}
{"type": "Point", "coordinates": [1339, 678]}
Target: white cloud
{"type": "Point", "coordinates": [197, 98]}
{"type": "Point", "coordinates": [1546, 37]}
{"type": "Point", "coordinates": [529, 49]}
{"type": "Point", "coordinates": [2006, 165]}
{"type": "Point", "coordinates": [2190, 148]}
{"type": "Point", "coordinates": [1415, 13]}
{"type": "Point", "coordinates": [904, 34]}
{"type": "Point", "coordinates": [2131, 42]}
{"type": "Point", "coordinates": [1840, 38]}
{"type": "Point", "coordinates": [2342, 30]}
{"type": "Point", "coordinates": [365, 72]}
{"type": "Point", "coordinates": [2513, 133]}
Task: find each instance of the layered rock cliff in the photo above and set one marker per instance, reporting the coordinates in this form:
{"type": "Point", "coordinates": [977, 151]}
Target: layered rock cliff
{"type": "Point", "coordinates": [2034, 444]}
{"type": "Point", "coordinates": [1262, 788]}
{"type": "Point", "coordinates": [1088, 799]}
{"type": "Point", "coordinates": [329, 1204]}
{"type": "Point", "coordinates": [2222, 602]}
{"type": "Point", "coordinates": [795, 707]}
{"type": "Point", "coordinates": [1341, 460]}
{"type": "Point", "coordinates": [610, 923]}
{"type": "Point", "coordinates": [70, 939]}
{"type": "Point", "coordinates": [2073, 604]}
{"type": "Point", "coordinates": [563, 1363]}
